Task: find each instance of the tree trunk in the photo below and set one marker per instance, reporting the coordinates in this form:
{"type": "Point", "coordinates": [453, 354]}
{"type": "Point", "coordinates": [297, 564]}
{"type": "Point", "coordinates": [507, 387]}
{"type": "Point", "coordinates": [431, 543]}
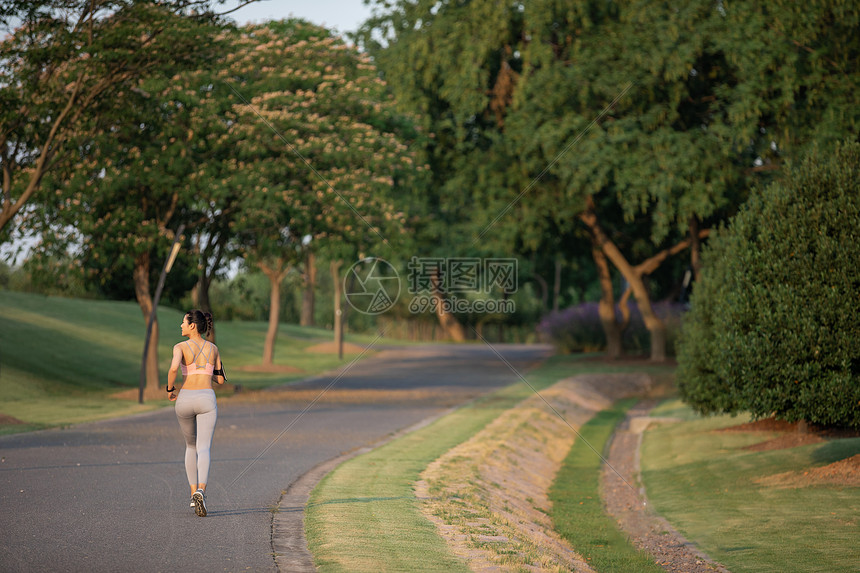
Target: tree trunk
{"type": "Point", "coordinates": [276, 275]}
{"type": "Point", "coordinates": [144, 300]}
{"type": "Point", "coordinates": [556, 286]}
{"type": "Point", "coordinates": [310, 278]}
{"type": "Point", "coordinates": [195, 290]}
{"type": "Point", "coordinates": [195, 295]}
{"type": "Point", "coordinates": [544, 292]}
{"type": "Point", "coordinates": [334, 267]}
{"type": "Point", "coordinates": [203, 302]}
{"type": "Point", "coordinates": [606, 307]}
{"type": "Point", "coordinates": [449, 323]}
{"type": "Point", "coordinates": [624, 309]}
{"type": "Point", "coordinates": [695, 248]}
{"type": "Point", "coordinates": [655, 326]}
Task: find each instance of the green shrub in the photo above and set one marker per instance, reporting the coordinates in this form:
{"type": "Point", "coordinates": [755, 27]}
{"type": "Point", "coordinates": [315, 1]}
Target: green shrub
{"type": "Point", "coordinates": [772, 328]}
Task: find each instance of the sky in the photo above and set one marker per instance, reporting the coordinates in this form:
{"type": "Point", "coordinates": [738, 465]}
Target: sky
{"type": "Point", "coordinates": [340, 15]}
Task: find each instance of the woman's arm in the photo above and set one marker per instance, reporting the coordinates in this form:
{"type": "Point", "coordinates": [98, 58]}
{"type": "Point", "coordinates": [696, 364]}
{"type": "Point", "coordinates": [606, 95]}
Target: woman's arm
{"type": "Point", "coordinates": [218, 377]}
{"type": "Point", "coordinates": [174, 369]}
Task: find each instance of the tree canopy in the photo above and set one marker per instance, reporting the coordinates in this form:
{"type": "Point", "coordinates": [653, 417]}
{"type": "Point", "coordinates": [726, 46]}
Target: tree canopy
{"type": "Point", "coordinates": [319, 150]}
{"type": "Point", "coordinates": [66, 64]}
{"type": "Point", "coordinates": [557, 115]}
{"type": "Point", "coordinates": [604, 140]}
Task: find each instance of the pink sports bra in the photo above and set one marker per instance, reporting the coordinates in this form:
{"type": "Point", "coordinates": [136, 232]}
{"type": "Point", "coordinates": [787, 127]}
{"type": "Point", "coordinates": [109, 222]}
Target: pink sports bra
{"type": "Point", "coordinates": [194, 368]}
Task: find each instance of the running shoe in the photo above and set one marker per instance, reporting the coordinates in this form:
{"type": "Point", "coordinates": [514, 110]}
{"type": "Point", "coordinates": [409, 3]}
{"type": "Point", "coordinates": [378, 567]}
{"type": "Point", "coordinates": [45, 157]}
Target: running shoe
{"type": "Point", "coordinates": [199, 500]}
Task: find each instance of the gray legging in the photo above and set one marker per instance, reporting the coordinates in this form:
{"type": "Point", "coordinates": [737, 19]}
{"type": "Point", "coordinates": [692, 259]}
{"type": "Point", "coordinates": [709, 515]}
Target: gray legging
{"type": "Point", "coordinates": [197, 412]}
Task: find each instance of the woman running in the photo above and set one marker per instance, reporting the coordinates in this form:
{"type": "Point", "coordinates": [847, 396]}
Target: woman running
{"type": "Point", "coordinates": [196, 408]}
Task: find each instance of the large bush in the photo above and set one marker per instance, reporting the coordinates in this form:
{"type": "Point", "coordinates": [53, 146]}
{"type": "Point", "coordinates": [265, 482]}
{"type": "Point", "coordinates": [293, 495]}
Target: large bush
{"type": "Point", "coordinates": [773, 328]}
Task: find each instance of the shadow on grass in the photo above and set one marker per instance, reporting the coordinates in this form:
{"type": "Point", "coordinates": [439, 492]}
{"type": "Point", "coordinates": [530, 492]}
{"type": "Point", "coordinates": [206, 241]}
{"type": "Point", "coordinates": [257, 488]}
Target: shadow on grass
{"type": "Point", "coordinates": [9, 429]}
{"type": "Point", "coordinates": [835, 450]}
{"type": "Point", "coordinates": [349, 500]}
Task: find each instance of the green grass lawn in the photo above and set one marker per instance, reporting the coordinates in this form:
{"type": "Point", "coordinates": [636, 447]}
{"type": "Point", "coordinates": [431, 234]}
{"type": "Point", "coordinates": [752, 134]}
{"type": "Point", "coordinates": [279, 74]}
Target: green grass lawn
{"type": "Point", "coordinates": [61, 359]}
{"type": "Point", "coordinates": [364, 515]}
{"type": "Point", "coordinates": [704, 483]}
{"type": "Point", "coordinates": [577, 509]}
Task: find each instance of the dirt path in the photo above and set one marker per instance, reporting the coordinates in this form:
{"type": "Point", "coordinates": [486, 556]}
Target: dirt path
{"type": "Point", "coordinates": [649, 531]}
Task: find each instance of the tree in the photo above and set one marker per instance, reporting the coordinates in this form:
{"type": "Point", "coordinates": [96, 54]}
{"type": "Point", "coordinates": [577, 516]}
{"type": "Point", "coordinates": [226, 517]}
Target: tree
{"type": "Point", "coordinates": [557, 114]}
{"type": "Point", "coordinates": [772, 329]}
{"type": "Point", "coordinates": [128, 191]}
{"type": "Point", "coordinates": [645, 125]}
{"type": "Point", "coordinates": [542, 78]}
{"type": "Point", "coordinates": [797, 82]}
{"type": "Point", "coordinates": [65, 64]}
{"type": "Point", "coordinates": [321, 146]}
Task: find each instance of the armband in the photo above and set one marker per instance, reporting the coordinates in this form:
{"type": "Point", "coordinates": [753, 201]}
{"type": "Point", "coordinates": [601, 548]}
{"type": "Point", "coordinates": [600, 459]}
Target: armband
{"type": "Point", "coordinates": [171, 389]}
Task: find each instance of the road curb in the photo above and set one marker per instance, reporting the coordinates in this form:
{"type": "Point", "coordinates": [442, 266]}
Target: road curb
{"type": "Point", "coordinates": [289, 545]}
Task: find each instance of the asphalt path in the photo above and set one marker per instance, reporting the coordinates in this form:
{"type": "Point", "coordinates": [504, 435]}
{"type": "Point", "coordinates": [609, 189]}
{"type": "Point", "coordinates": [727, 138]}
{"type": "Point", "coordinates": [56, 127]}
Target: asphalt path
{"type": "Point", "coordinates": [112, 496]}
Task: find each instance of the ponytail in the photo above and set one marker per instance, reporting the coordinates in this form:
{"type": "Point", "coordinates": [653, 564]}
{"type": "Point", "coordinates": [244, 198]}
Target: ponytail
{"type": "Point", "coordinates": [203, 321]}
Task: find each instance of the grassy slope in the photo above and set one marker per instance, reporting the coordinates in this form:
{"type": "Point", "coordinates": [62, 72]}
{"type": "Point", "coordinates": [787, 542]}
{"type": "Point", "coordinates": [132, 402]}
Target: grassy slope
{"type": "Point", "coordinates": [61, 358]}
{"type": "Point", "coordinates": [704, 482]}
{"type": "Point", "coordinates": [364, 515]}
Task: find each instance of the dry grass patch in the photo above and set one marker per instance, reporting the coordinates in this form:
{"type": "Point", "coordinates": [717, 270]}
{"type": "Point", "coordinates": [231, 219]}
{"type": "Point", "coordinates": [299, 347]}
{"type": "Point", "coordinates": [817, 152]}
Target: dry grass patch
{"type": "Point", "coordinates": [444, 396]}
{"type": "Point", "coordinates": [842, 473]}
{"type": "Point", "coordinates": [489, 496]}
{"type": "Point", "coordinates": [330, 347]}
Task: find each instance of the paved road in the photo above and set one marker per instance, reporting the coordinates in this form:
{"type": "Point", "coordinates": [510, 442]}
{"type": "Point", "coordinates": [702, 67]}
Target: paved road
{"type": "Point", "coordinates": [111, 496]}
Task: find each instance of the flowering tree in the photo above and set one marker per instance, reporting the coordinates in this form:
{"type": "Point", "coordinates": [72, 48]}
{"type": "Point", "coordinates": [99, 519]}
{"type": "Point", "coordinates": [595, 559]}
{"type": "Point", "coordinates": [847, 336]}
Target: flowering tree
{"type": "Point", "coordinates": [319, 146]}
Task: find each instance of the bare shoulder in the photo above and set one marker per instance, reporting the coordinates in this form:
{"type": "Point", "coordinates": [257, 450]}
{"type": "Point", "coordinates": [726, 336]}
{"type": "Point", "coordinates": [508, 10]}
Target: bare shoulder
{"type": "Point", "coordinates": [179, 348]}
